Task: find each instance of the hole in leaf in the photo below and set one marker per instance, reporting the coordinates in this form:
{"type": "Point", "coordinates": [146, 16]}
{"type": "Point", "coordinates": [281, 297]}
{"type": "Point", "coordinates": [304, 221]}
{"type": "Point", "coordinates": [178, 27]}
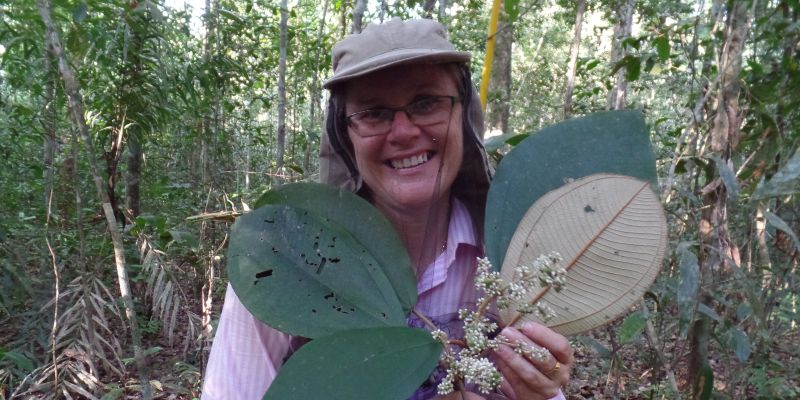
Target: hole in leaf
{"type": "Point", "coordinates": [264, 274]}
{"type": "Point", "coordinates": [329, 295]}
{"type": "Point", "coordinates": [335, 260]}
{"type": "Point", "coordinates": [588, 209]}
{"type": "Point", "coordinates": [321, 266]}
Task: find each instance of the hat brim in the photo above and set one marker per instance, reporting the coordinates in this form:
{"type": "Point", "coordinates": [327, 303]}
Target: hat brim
{"type": "Point", "coordinates": [395, 58]}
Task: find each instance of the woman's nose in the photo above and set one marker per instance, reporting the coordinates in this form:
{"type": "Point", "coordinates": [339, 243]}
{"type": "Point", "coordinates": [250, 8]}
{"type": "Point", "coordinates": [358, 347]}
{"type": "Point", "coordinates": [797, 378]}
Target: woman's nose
{"type": "Point", "coordinates": [402, 127]}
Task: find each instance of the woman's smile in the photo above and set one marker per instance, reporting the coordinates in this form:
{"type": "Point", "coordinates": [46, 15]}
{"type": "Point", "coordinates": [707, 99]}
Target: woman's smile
{"type": "Point", "coordinates": [412, 161]}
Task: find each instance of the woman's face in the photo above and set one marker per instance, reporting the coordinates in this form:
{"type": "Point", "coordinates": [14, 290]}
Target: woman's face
{"type": "Point", "coordinates": [411, 165]}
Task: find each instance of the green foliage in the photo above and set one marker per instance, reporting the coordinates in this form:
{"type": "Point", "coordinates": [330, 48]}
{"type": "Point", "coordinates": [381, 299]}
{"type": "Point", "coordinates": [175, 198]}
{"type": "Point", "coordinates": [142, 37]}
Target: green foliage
{"type": "Point", "coordinates": [511, 8]}
{"type": "Point", "coordinates": [301, 269]}
{"type": "Point", "coordinates": [612, 142]}
{"type": "Point", "coordinates": [374, 363]}
{"type": "Point", "coordinates": [362, 221]}
{"type": "Point", "coordinates": [785, 182]}
{"type": "Point", "coordinates": [632, 326]}
{"type": "Point", "coordinates": [689, 285]}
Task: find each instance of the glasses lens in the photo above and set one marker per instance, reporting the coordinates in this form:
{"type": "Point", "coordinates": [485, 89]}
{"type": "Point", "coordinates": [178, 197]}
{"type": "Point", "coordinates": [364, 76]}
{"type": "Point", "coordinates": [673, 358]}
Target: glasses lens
{"type": "Point", "coordinates": [372, 122]}
{"type": "Point", "coordinates": [430, 110]}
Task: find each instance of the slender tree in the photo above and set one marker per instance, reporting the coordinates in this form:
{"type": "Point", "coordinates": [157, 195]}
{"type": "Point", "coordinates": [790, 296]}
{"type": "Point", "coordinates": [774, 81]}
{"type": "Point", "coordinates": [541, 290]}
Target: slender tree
{"type": "Point", "coordinates": [569, 86]}
{"type": "Point", "coordinates": [623, 15]}
{"type": "Point", "coordinates": [719, 253]}
{"type": "Point", "coordinates": [75, 99]}
{"type": "Point", "coordinates": [282, 91]}
{"type": "Point", "coordinates": [358, 16]}
{"type": "Point", "coordinates": [498, 107]}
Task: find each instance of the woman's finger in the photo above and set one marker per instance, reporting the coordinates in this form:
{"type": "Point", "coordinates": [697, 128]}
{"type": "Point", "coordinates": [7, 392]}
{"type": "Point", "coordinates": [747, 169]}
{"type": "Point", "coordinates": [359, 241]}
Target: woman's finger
{"type": "Point", "coordinates": [525, 377]}
{"type": "Point", "coordinates": [558, 370]}
{"type": "Point", "coordinates": [530, 349]}
{"type": "Point", "coordinates": [557, 344]}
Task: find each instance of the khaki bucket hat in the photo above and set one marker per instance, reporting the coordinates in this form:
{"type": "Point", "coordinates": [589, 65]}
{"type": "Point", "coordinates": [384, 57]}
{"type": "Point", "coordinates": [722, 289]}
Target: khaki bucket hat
{"type": "Point", "coordinates": [397, 42]}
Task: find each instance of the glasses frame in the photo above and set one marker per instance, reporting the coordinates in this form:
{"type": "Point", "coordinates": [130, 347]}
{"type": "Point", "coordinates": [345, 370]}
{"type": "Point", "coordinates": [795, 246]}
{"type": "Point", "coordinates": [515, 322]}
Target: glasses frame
{"type": "Point", "coordinates": [350, 123]}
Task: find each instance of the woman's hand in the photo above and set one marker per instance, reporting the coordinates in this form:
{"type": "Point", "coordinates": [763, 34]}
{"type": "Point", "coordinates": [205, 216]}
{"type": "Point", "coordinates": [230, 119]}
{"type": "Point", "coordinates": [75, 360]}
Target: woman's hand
{"type": "Point", "coordinates": [527, 378]}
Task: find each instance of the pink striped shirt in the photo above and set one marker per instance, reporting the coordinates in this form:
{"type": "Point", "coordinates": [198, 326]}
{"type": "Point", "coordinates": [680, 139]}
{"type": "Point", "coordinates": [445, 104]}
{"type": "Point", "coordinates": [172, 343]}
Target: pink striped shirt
{"type": "Point", "coordinates": [247, 354]}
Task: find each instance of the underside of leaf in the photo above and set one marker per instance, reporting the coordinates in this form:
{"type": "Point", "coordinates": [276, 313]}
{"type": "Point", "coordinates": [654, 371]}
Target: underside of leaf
{"type": "Point", "coordinates": [612, 235]}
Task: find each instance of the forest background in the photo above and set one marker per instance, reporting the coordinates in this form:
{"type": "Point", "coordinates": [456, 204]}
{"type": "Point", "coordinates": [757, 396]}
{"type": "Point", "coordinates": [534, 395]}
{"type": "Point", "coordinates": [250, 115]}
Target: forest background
{"type": "Point", "coordinates": [133, 132]}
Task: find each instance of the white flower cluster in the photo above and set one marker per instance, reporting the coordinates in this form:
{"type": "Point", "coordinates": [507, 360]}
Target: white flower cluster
{"type": "Point", "coordinates": [470, 364]}
{"type": "Point", "coordinates": [531, 352]}
{"type": "Point", "coordinates": [549, 272]}
{"type": "Point", "coordinates": [476, 331]}
{"type": "Point", "coordinates": [488, 280]}
{"type": "Point", "coordinates": [480, 371]}
{"type": "Point", "coordinates": [545, 270]}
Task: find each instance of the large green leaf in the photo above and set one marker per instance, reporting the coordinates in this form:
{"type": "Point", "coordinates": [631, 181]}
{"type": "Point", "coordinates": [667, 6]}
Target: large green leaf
{"type": "Point", "coordinates": [374, 363]}
{"type": "Point", "coordinates": [632, 327]}
{"type": "Point", "coordinates": [305, 274]}
{"type": "Point", "coordinates": [786, 181]}
{"type": "Point", "coordinates": [779, 223]}
{"type": "Point", "coordinates": [361, 220]}
{"type": "Point", "coordinates": [612, 142]}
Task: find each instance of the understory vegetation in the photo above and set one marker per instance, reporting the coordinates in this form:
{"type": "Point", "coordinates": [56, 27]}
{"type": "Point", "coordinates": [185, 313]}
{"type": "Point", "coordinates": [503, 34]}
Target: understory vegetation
{"type": "Point", "coordinates": [134, 132]}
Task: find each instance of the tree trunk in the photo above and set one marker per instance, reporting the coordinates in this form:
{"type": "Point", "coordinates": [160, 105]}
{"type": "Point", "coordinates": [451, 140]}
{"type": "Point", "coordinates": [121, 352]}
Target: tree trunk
{"type": "Point", "coordinates": [75, 100]}
{"type": "Point", "coordinates": [358, 15]}
{"type": "Point", "coordinates": [282, 93]}
{"type": "Point", "coordinates": [313, 105]}
{"type": "Point", "coordinates": [383, 7]}
{"type": "Point", "coordinates": [207, 123]}
{"type": "Point", "coordinates": [442, 10]}
{"type": "Point", "coordinates": [498, 109]}
{"type": "Point", "coordinates": [573, 58]}
{"type": "Point", "coordinates": [49, 126]}
{"type": "Point", "coordinates": [134, 76]}
{"type": "Point", "coordinates": [718, 251]}
{"type": "Point", "coordinates": [134, 175]}
{"type": "Point", "coordinates": [427, 8]}
{"type": "Point", "coordinates": [622, 31]}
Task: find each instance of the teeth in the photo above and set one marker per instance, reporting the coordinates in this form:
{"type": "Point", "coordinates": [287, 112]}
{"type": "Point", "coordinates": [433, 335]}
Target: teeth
{"type": "Point", "coordinates": [410, 161]}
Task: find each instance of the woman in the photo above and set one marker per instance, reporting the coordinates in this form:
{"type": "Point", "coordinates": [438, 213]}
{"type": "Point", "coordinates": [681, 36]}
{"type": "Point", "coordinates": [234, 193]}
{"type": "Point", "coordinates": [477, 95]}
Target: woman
{"type": "Point", "coordinates": [403, 131]}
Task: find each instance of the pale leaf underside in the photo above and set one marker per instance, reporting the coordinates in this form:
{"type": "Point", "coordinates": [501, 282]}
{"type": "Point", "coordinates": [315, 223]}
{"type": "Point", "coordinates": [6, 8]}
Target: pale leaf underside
{"type": "Point", "coordinates": [612, 235]}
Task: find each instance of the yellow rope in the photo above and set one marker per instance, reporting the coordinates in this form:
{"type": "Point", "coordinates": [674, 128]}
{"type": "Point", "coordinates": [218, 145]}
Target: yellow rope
{"type": "Point", "coordinates": [489, 59]}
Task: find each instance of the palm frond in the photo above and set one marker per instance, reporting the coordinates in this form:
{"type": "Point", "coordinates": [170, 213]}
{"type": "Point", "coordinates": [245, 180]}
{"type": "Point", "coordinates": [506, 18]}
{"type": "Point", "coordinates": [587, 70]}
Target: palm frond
{"type": "Point", "coordinates": [162, 291]}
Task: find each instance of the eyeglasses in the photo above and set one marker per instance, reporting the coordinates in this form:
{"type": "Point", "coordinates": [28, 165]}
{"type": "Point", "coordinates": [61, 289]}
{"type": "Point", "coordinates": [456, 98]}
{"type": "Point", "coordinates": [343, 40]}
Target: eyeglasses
{"type": "Point", "coordinates": [426, 111]}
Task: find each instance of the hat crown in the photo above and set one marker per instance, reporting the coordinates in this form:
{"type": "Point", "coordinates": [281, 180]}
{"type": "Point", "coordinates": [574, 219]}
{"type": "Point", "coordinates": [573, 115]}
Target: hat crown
{"type": "Point", "coordinates": [393, 43]}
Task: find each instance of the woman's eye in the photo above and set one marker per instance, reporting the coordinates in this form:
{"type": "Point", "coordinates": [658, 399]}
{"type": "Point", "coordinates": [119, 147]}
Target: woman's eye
{"type": "Point", "coordinates": [376, 114]}
{"type": "Point", "coordinates": [425, 105]}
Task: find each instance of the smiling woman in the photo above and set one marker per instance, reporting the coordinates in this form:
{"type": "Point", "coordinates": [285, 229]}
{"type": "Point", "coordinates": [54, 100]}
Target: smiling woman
{"type": "Point", "coordinates": [403, 132]}
{"type": "Point", "coordinates": [409, 168]}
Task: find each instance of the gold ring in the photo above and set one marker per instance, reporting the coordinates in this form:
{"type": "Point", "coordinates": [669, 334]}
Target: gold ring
{"type": "Point", "coordinates": [555, 368]}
